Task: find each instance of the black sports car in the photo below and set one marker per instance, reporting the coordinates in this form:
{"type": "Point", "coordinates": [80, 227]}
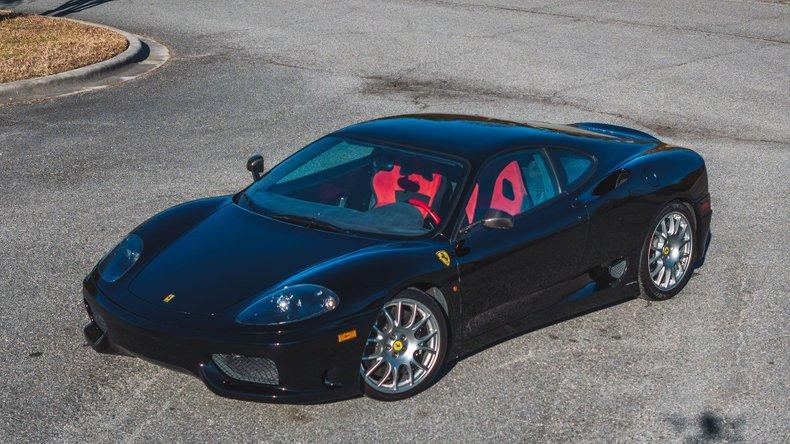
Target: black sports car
{"type": "Point", "coordinates": [368, 259]}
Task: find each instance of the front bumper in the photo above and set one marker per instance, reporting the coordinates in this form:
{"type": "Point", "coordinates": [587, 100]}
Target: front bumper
{"type": "Point", "coordinates": [312, 369]}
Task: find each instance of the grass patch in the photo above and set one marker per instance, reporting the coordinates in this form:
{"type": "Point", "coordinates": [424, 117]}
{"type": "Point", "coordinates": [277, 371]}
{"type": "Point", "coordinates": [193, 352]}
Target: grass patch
{"type": "Point", "coordinates": [34, 46]}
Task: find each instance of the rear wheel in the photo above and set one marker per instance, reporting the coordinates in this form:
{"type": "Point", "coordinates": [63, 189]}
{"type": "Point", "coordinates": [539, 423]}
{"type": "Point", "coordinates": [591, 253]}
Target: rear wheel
{"type": "Point", "coordinates": [406, 347]}
{"type": "Point", "coordinates": [667, 253]}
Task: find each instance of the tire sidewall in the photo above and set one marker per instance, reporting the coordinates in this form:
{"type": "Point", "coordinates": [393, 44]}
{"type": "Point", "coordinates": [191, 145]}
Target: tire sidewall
{"type": "Point", "coordinates": [653, 292]}
{"type": "Point", "coordinates": [439, 314]}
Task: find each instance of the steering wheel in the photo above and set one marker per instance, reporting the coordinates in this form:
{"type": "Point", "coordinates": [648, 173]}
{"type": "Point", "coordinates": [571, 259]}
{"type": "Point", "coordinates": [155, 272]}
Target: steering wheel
{"type": "Point", "coordinates": [430, 213]}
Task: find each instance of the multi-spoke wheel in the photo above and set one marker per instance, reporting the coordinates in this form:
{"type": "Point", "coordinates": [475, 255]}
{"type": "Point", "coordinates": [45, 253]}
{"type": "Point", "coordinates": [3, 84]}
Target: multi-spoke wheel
{"type": "Point", "coordinates": [405, 348]}
{"type": "Point", "coordinates": [666, 262]}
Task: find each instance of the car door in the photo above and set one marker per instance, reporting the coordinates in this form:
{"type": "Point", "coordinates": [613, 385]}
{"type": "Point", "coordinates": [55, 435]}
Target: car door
{"type": "Point", "coordinates": [507, 274]}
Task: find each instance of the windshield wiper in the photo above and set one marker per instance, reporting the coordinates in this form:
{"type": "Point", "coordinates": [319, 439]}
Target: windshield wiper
{"type": "Point", "coordinates": [309, 222]}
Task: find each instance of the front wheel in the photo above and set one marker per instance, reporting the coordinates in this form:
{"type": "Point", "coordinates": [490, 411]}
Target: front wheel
{"type": "Point", "coordinates": [406, 347]}
{"type": "Point", "coordinates": [667, 253]}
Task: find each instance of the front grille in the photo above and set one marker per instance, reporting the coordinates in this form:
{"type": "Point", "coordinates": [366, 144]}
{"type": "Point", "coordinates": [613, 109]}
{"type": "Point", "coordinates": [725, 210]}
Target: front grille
{"type": "Point", "coordinates": [248, 368]}
{"type": "Point", "coordinates": [95, 317]}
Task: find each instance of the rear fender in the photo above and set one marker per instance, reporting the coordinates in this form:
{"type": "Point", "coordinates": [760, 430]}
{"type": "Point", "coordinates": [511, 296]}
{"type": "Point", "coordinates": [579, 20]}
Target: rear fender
{"type": "Point", "coordinates": [620, 216]}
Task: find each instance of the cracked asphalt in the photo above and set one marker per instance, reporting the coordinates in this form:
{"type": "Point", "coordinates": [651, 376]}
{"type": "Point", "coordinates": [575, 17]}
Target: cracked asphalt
{"type": "Point", "coordinates": [79, 172]}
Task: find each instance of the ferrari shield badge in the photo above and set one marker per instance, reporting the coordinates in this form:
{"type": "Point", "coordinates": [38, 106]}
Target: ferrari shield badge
{"type": "Point", "coordinates": [168, 298]}
{"type": "Point", "coordinates": [443, 257]}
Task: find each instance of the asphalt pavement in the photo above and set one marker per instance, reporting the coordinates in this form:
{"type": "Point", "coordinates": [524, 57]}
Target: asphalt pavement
{"type": "Point", "coordinates": [78, 172]}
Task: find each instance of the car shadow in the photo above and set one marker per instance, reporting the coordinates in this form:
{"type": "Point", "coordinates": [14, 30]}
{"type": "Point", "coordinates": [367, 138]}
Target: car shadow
{"type": "Point", "coordinates": [448, 366]}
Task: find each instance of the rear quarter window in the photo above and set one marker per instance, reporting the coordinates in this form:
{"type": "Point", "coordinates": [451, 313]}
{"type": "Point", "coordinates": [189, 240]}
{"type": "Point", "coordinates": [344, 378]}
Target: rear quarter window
{"type": "Point", "coordinates": [574, 166]}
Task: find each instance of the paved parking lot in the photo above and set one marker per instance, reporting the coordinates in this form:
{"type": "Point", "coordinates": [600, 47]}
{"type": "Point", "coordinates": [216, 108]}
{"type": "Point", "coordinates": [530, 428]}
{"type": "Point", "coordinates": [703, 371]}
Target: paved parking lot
{"type": "Point", "coordinates": [79, 172]}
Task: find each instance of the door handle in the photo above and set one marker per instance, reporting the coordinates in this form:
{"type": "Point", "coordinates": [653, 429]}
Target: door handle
{"type": "Point", "coordinates": [578, 204]}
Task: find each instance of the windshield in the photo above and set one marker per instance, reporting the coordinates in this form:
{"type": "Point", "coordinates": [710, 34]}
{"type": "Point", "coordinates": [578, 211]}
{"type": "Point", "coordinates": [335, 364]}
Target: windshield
{"type": "Point", "coordinates": [339, 184]}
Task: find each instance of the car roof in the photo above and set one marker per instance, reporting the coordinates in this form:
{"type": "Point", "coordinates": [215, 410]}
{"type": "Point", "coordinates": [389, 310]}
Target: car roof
{"type": "Point", "coordinates": [476, 138]}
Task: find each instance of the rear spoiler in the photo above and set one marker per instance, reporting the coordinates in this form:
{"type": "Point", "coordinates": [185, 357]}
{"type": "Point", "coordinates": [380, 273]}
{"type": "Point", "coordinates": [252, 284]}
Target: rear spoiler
{"type": "Point", "coordinates": [620, 132]}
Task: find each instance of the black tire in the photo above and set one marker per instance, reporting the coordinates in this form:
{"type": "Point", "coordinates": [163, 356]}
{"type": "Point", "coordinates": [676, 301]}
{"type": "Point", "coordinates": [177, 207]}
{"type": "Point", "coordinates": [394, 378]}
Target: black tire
{"type": "Point", "coordinates": [648, 289]}
{"type": "Point", "coordinates": [428, 378]}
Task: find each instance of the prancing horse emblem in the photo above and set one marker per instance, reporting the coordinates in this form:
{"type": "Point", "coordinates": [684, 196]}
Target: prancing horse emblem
{"type": "Point", "coordinates": [443, 257]}
{"type": "Point", "coordinates": [168, 298]}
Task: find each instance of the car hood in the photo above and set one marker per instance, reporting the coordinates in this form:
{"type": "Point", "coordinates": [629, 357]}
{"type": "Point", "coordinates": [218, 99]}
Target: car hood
{"type": "Point", "coordinates": [232, 255]}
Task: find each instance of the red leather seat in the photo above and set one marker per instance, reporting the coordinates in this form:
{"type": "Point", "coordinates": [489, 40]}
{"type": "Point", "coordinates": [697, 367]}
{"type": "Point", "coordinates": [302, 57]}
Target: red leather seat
{"type": "Point", "coordinates": [509, 190]}
{"type": "Point", "coordinates": [386, 187]}
{"type": "Point", "coordinates": [508, 194]}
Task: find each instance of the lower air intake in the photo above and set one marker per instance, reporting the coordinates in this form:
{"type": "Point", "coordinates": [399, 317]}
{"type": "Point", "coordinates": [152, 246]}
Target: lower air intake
{"type": "Point", "coordinates": [248, 368]}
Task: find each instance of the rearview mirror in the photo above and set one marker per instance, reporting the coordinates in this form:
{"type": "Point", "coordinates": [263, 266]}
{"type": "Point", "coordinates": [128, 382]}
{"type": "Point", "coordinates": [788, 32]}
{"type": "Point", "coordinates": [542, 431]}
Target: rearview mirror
{"type": "Point", "coordinates": [494, 219]}
{"type": "Point", "coordinates": [255, 166]}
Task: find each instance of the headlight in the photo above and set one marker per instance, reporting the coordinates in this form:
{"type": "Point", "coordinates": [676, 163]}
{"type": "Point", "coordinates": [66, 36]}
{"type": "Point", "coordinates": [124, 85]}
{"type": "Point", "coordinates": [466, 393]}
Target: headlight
{"type": "Point", "coordinates": [291, 304]}
{"type": "Point", "coordinates": [121, 258]}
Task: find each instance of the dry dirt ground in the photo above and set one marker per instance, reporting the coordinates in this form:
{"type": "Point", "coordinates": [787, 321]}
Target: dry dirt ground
{"type": "Point", "coordinates": [34, 46]}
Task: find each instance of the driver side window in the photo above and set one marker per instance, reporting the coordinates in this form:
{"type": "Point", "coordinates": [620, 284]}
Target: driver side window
{"type": "Point", "coordinates": [514, 183]}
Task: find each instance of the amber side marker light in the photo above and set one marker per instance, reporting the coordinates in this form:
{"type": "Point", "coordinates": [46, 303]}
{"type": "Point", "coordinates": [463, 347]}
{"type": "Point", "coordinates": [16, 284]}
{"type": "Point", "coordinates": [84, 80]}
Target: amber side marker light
{"type": "Point", "coordinates": [346, 336]}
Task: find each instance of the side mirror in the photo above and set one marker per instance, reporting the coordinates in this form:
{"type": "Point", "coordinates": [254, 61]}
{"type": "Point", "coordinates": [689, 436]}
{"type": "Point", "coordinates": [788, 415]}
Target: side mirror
{"type": "Point", "coordinates": [494, 219]}
{"type": "Point", "coordinates": [255, 166]}
{"type": "Point", "coordinates": [497, 219]}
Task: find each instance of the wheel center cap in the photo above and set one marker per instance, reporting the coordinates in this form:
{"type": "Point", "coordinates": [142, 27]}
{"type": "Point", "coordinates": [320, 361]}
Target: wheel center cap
{"type": "Point", "coordinates": [666, 250]}
{"type": "Point", "coordinates": [397, 346]}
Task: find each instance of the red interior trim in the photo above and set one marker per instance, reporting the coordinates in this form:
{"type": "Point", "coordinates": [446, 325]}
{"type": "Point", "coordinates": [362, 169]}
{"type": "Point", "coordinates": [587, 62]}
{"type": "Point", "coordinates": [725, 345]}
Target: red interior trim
{"type": "Point", "coordinates": [425, 209]}
{"type": "Point", "coordinates": [472, 205]}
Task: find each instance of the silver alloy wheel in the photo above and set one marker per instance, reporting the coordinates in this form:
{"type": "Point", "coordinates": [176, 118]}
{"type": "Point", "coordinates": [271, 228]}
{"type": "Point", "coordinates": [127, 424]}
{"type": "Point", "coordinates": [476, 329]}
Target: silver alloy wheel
{"type": "Point", "coordinates": [403, 347]}
{"type": "Point", "coordinates": [669, 256]}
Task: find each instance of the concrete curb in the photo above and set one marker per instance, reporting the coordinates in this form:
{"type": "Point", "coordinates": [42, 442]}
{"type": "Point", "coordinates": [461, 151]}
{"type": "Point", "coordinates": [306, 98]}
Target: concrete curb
{"type": "Point", "coordinates": [133, 50]}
